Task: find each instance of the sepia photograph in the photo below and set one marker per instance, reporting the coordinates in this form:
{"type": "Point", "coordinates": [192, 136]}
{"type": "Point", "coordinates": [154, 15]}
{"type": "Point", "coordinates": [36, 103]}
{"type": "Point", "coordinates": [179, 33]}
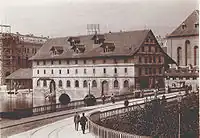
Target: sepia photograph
{"type": "Point", "coordinates": [99, 69]}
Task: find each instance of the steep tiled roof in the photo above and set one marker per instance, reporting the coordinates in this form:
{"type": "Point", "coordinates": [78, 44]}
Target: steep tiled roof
{"type": "Point", "coordinates": [126, 44]}
{"type": "Point", "coordinates": [25, 73]}
{"type": "Point", "coordinates": [189, 29]}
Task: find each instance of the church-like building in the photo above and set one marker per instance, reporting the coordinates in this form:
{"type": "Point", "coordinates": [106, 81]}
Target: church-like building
{"type": "Point", "coordinates": [114, 62]}
{"type": "Point", "coordinates": [183, 47]}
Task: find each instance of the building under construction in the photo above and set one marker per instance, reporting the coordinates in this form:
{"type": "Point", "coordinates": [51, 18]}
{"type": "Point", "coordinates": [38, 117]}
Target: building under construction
{"type": "Point", "coordinates": [15, 50]}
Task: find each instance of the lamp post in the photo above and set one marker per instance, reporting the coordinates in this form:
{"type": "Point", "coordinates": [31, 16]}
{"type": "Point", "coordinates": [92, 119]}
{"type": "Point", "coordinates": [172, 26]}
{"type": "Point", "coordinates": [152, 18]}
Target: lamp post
{"type": "Point", "coordinates": [179, 115]}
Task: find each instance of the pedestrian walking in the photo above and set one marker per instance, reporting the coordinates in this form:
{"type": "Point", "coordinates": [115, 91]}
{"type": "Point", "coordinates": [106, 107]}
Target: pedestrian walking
{"type": "Point", "coordinates": [83, 121]}
{"type": "Point", "coordinates": [103, 98]}
{"type": "Point", "coordinates": [126, 102]}
{"type": "Point", "coordinates": [76, 121]}
{"type": "Point", "coordinates": [112, 98]}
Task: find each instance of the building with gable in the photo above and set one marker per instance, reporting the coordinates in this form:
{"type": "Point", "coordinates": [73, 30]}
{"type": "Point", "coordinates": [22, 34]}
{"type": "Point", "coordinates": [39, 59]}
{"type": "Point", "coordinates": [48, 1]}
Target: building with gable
{"type": "Point", "coordinates": [183, 47]}
{"type": "Point", "coordinates": [102, 63]}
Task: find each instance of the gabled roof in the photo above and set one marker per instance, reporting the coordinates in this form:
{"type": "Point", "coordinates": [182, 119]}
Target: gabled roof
{"type": "Point", "coordinates": [22, 73]}
{"type": "Point", "coordinates": [189, 29]}
{"type": "Point", "coordinates": [123, 41]}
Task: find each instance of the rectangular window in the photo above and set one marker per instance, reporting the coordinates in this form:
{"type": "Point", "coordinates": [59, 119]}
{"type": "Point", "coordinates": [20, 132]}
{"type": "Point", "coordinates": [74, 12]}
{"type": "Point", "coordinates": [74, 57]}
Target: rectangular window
{"type": "Point", "coordinates": [125, 60]}
{"type": "Point", "coordinates": [160, 70]}
{"type": "Point", "coordinates": [104, 70]}
{"type": "Point", "coordinates": [154, 71]}
{"type": "Point", "coordinates": [142, 49]}
{"type": "Point", "coordinates": [76, 71]}
{"type": "Point", "coordinates": [156, 49]}
{"type": "Point", "coordinates": [67, 61]}
{"type": "Point", "coordinates": [44, 71]}
{"type": "Point", "coordinates": [104, 61]}
{"type": "Point", "coordinates": [38, 63]}
{"type": "Point", "coordinates": [44, 62]}
{"type": "Point", "coordinates": [150, 71]}
{"type": "Point", "coordinates": [146, 71]}
{"type": "Point", "coordinates": [145, 59]}
{"type": "Point", "coordinates": [59, 62]}
{"type": "Point", "coordinates": [32, 50]}
{"type": "Point", "coordinates": [76, 61]}
{"type": "Point", "coordinates": [149, 48]}
{"type": "Point", "coordinates": [125, 70]}
{"type": "Point", "coordinates": [84, 61]}
{"type": "Point", "coordinates": [115, 61]}
{"type": "Point", "coordinates": [60, 72]}
{"type": "Point", "coordinates": [67, 71]}
{"type": "Point", "coordinates": [51, 71]}
{"type": "Point", "coordinates": [27, 50]}
{"type": "Point", "coordinates": [93, 61]}
{"type": "Point", "coordinates": [38, 71]}
{"type": "Point", "coordinates": [115, 70]}
{"type": "Point", "coordinates": [93, 71]}
{"type": "Point", "coordinates": [150, 59]}
{"type": "Point", "coordinates": [51, 62]}
{"type": "Point", "coordinates": [140, 71]}
{"type": "Point", "coordinates": [85, 71]}
{"type": "Point", "coordinates": [140, 60]}
{"type": "Point", "coordinates": [159, 59]}
{"type": "Point", "coordinates": [154, 59]}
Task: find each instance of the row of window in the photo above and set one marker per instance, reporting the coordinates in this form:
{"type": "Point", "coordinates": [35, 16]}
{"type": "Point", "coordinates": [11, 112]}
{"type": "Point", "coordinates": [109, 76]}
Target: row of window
{"type": "Point", "coordinates": [85, 71]}
{"type": "Point", "coordinates": [149, 71]}
{"type": "Point", "coordinates": [150, 49]}
{"type": "Point", "coordinates": [181, 78]}
{"type": "Point", "coordinates": [27, 50]}
{"type": "Point", "coordinates": [85, 83]}
{"type": "Point", "coordinates": [84, 61]}
{"type": "Point", "coordinates": [149, 59]}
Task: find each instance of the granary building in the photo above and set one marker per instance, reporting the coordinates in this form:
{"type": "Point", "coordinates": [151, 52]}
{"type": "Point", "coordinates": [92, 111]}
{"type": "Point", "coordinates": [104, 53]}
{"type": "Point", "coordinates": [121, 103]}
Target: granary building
{"type": "Point", "coordinates": [183, 47]}
{"type": "Point", "coordinates": [114, 62]}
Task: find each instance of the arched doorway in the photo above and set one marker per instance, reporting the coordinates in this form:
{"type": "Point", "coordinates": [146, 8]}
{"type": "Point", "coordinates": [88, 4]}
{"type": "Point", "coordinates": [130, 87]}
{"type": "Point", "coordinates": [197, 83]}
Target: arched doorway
{"type": "Point", "coordinates": [52, 88]}
{"type": "Point", "coordinates": [104, 87]}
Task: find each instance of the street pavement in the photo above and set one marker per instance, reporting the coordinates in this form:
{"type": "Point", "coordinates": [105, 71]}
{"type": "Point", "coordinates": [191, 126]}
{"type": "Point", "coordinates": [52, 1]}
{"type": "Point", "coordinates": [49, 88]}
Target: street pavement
{"type": "Point", "coordinates": [65, 128]}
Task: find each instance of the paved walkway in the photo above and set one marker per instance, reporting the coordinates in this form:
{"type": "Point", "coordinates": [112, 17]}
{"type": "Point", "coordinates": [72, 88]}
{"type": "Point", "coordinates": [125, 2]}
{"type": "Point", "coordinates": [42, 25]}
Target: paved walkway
{"type": "Point", "coordinates": [65, 128]}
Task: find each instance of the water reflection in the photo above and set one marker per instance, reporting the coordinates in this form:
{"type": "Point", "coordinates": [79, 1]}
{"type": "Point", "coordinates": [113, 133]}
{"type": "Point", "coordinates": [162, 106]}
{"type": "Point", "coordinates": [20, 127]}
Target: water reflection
{"type": "Point", "coordinates": [8, 103]}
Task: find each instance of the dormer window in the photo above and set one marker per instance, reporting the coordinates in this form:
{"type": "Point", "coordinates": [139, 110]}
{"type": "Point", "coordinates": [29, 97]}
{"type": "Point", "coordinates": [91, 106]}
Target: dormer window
{"type": "Point", "coordinates": [196, 25]}
{"type": "Point", "coordinates": [56, 50]}
{"type": "Point", "coordinates": [108, 47]}
{"type": "Point", "coordinates": [74, 40]}
{"type": "Point", "coordinates": [79, 48]}
{"type": "Point", "coordinates": [98, 39]}
{"type": "Point", "coordinates": [183, 26]}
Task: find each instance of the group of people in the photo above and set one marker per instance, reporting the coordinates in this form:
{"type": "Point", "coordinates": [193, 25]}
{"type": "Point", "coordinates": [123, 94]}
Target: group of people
{"type": "Point", "coordinates": [112, 98]}
{"type": "Point", "coordinates": [82, 120]}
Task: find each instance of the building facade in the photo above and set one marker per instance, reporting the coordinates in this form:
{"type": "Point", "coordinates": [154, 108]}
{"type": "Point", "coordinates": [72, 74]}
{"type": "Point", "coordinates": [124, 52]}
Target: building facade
{"type": "Point", "coordinates": [100, 63]}
{"type": "Point", "coordinates": [183, 42]}
{"type": "Point", "coordinates": [183, 47]}
{"type": "Point", "coordinates": [15, 50]}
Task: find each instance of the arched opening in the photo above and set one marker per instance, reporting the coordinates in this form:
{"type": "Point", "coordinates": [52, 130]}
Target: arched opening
{"type": "Point", "coordinates": [126, 84]}
{"type": "Point", "coordinates": [104, 87]}
{"type": "Point", "coordinates": [85, 84]}
{"type": "Point", "coordinates": [116, 84]}
{"type": "Point", "coordinates": [77, 83]}
{"type": "Point", "coordinates": [68, 83]}
{"type": "Point", "coordinates": [179, 55]}
{"type": "Point", "coordinates": [38, 83]}
{"type": "Point", "coordinates": [60, 83]}
{"type": "Point", "coordinates": [44, 83]}
{"type": "Point", "coordinates": [52, 86]}
{"type": "Point", "coordinates": [196, 55]}
{"type": "Point", "coordinates": [187, 53]}
{"type": "Point", "coordinates": [94, 84]}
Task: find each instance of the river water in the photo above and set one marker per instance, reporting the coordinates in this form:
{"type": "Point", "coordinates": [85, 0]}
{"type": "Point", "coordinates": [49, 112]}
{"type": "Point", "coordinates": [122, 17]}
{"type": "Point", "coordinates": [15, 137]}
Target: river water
{"type": "Point", "coordinates": [8, 103]}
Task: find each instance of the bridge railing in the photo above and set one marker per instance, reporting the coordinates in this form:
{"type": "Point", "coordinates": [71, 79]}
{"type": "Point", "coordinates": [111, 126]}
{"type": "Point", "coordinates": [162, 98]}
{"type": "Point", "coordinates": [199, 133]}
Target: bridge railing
{"type": "Point", "coordinates": [20, 113]}
{"type": "Point", "coordinates": [103, 132]}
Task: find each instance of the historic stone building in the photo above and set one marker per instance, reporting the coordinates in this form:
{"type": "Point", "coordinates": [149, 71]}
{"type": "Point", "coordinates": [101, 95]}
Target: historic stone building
{"type": "Point", "coordinates": [183, 47]}
{"type": "Point", "coordinates": [15, 50]}
{"type": "Point", "coordinates": [183, 42]}
{"type": "Point", "coordinates": [104, 63]}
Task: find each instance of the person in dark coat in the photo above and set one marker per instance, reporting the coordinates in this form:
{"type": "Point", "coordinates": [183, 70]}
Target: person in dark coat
{"type": "Point", "coordinates": [126, 102]}
{"type": "Point", "coordinates": [76, 121]}
{"type": "Point", "coordinates": [83, 121]}
{"type": "Point", "coordinates": [112, 98]}
{"type": "Point", "coordinates": [103, 98]}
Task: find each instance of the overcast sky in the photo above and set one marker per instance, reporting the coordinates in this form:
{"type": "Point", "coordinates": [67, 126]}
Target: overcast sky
{"type": "Point", "coordinates": [70, 17]}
